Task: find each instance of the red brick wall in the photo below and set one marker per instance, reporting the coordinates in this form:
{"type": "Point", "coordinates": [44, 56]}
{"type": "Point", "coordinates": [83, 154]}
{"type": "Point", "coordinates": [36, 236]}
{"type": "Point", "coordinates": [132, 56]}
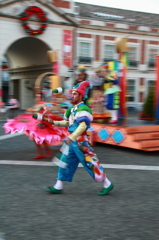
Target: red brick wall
{"type": "Point", "coordinates": [110, 25]}
{"type": "Point", "coordinates": [61, 3]}
{"type": "Point", "coordinates": [154, 29]}
{"type": "Point", "coordinates": [109, 38]}
{"type": "Point", "coordinates": [141, 81]}
{"type": "Point", "coordinates": [153, 42]}
{"type": "Point", "coordinates": [142, 59]}
{"type": "Point", "coordinates": [73, 46]}
{"type": "Point", "coordinates": [132, 40]}
{"type": "Point", "coordinates": [97, 47]}
{"type": "Point", "coordinates": [133, 27]}
{"type": "Point", "coordinates": [85, 21]}
{"type": "Point", "coordinates": [141, 97]}
{"type": "Point", "coordinates": [141, 94]}
{"type": "Point", "coordinates": [84, 35]}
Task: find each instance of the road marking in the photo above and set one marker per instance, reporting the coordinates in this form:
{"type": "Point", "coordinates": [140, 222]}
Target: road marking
{"type": "Point", "coordinates": [110, 166]}
{"type": "Point", "coordinates": [25, 163]}
{"type": "Point", "coordinates": [131, 167]}
{"type": "Point", "coordinates": [10, 135]}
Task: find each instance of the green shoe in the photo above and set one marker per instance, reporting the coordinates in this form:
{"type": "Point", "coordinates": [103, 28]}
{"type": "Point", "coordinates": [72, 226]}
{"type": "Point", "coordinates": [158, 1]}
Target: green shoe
{"type": "Point", "coordinates": [105, 191]}
{"type": "Point", "coordinates": [53, 190]}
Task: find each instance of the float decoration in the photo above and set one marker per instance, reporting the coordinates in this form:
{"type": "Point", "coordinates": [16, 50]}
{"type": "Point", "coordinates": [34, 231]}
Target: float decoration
{"type": "Point", "coordinates": [40, 14]}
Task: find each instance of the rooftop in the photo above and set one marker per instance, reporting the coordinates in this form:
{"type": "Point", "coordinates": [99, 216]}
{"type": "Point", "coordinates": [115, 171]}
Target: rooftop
{"type": "Point", "coordinates": [116, 15]}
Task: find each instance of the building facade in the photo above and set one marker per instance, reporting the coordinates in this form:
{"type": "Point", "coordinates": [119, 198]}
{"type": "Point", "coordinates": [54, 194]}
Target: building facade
{"type": "Point", "coordinates": [99, 26]}
{"type": "Point", "coordinates": [93, 30]}
{"type": "Point", "coordinates": [26, 53]}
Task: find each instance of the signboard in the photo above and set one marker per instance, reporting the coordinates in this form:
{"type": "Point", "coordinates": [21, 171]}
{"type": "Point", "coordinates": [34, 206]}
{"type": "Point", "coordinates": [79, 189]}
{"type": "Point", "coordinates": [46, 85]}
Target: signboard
{"type": "Point", "coordinates": [67, 47]}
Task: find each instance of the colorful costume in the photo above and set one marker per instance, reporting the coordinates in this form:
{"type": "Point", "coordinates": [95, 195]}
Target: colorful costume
{"type": "Point", "coordinates": [97, 105]}
{"type": "Point", "coordinates": [39, 131]}
{"type": "Point", "coordinates": [78, 119]}
{"type": "Point", "coordinates": [113, 95]}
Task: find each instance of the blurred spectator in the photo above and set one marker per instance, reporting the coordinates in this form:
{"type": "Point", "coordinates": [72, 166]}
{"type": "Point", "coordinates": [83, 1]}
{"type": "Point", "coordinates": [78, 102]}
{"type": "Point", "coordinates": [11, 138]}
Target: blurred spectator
{"type": "Point", "coordinates": [2, 110]}
{"type": "Point", "coordinates": [82, 75]}
{"type": "Point", "coordinates": [97, 79]}
{"type": "Point", "coordinates": [13, 106]}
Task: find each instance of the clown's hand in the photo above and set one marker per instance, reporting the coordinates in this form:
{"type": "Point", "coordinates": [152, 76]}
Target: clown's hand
{"type": "Point", "coordinates": [41, 117]}
{"type": "Point", "coordinates": [35, 115]}
{"type": "Point", "coordinates": [38, 116]}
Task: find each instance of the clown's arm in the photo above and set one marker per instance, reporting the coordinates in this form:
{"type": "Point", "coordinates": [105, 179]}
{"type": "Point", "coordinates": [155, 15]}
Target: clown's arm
{"type": "Point", "coordinates": [79, 130]}
{"type": "Point", "coordinates": [63, 123]}
{"type": "Point", "coordinates": [73, 136]}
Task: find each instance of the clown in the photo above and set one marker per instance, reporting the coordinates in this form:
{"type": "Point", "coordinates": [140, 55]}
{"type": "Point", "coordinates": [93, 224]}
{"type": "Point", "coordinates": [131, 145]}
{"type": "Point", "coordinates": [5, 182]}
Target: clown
{"type": "Point", "coordinates": [78, 119]}
{"type": "Point", "coordinates": [112, 95]}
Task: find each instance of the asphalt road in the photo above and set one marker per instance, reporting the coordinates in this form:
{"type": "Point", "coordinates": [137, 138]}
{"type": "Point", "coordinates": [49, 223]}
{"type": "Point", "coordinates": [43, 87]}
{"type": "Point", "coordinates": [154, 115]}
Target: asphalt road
{"type": "Point", "coordinates": [129, 212]}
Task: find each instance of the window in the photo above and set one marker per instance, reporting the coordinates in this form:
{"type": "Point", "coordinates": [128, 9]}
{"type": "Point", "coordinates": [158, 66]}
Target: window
{"type": "Point", "coordinates": [151, 83]}
{"type": "Point", "coordinates": [85, 52]}
{"type": "Point", "coordinates": [131, 90]}
{"type": "Point", "coordinates": [150, 86]}
{"type": "Point", "coordinates": [132, 56]}
{"type": "Point", "coordinates": [152, 57]}
{"type": "Point", "coordinates": [109, 52]}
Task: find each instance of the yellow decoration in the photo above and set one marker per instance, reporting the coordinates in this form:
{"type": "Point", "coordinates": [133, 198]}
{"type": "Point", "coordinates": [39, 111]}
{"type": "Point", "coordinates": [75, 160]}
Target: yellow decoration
{"type": "Point", "coordinates": [124, 60]}
{"type": "Point", "coordinates": [88, 158]}
{"type": "Point", "coordinates": [111, 65]}
{"type": "Point", "coordinates": [107, 85]}
{"type": "Point", "coordinates": [81, 66]}
{"type": "Point", "coordinates": [55, 81]}
{"type": "Point", "coordinates": [112, 75]}
{"type": "Point", "coordinates": [121, 44]}
{"type": "Point", "coordinates": [52, 56]}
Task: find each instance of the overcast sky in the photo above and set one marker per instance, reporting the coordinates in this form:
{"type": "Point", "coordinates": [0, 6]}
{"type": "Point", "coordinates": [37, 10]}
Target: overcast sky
{"type": "Point", "coordinates": [150, 6]}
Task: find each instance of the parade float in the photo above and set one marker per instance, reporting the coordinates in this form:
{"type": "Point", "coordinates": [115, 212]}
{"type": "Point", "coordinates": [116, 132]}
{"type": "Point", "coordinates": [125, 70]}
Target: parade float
{"type": "Point", "coordinates": [124, 132]}
{"type": "Point", "coordinates": [135, 133]}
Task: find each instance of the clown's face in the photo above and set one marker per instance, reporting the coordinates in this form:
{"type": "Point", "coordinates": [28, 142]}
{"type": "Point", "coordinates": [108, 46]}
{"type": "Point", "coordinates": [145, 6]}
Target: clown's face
{"type": "Point", "coordinates": [76, 97]}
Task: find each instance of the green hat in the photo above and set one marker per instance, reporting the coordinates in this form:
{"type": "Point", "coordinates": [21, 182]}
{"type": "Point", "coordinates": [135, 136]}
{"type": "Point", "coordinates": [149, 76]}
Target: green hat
{"type": "Point", "coordinates": [58, 90]}
{"type": "Point", "coordinates": [81, 68]}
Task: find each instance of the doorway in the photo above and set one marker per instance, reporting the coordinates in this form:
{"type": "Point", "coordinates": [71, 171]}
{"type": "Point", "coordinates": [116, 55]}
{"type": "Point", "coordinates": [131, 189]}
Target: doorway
{"type": "Point", "coordinates": [16, 87]}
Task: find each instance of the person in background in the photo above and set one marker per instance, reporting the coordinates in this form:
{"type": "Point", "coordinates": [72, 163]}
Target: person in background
{"type": "Point", "coordinates": [43, 134]}
{"type": "Point", "coordinates": [82, 75]}
{"type": "Point", "coordinates": [96, 80]}
{"type": "Point", "coordinates": [112, 94]}
{"type": "Point", "coordinates": [13, 104]}
{"type": "Point", "coordinates": [43, 150]}
{"type": "Point", "coordinates": [97, 98]}
{"type": "Point", "coordinates": [2, 110]}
